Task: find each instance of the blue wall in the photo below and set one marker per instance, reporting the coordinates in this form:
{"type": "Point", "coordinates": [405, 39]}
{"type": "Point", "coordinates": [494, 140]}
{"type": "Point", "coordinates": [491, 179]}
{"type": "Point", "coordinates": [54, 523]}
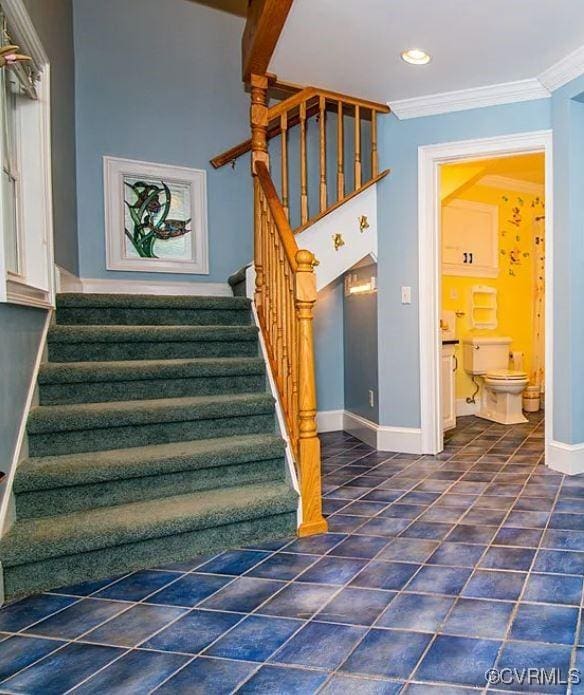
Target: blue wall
{"type": "Point", "coordinates": [161, 81]}
{"type": "Point", "coordinates": [328, 341]}
{"type": "Point", "coordinates": [361, 349]}
{"type": "Point", "coordinates": [20, 334]}
{"type": "Point", "coordinates": [53, 20]}
{"type": "Point", "coordinates": [399, 383]}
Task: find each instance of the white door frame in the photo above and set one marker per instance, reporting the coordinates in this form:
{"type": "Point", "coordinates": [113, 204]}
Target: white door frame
{"type": "Point", "coordinates": [430, 157]}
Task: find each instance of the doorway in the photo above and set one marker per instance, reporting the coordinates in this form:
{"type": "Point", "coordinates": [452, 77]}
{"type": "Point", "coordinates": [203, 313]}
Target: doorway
{"type": "Point", "coordinates": [499, 262]}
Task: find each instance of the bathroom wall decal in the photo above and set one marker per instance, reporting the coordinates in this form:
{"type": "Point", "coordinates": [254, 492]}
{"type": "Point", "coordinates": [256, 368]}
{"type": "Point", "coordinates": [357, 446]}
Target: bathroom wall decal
{"type": "Point", "coordinates": [156, 217]}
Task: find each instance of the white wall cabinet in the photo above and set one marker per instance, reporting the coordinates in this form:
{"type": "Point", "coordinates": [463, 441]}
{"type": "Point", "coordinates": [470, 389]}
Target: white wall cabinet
{"type": "Point", "coordinates": [448, 380]}
{"type": "Point", "coordinates": [470, 239]}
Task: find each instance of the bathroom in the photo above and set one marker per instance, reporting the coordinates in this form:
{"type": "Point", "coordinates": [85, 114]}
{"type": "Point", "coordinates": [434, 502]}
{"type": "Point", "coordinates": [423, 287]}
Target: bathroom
{"type": "Point", "coordinates": [493, 289]}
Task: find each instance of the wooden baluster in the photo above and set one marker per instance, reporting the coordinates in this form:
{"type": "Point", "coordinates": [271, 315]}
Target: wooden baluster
{"type": "Point", "coordinates": [303, 166]}
{"type": "Point", "coordinates": [284, 162]}
{"type": "Point", "coordinates": [374, 152]}
{"type": "Point", "coordinates": [322, 128]}
{"type": "Point", "coordinates": [309, 444]}
{"type": "Point", "coordinates": [261, 250]}
{"type": "Point", "coordinates": [281, 338]}
{"type": "Point", "coordinates": [289, 351]}
{"type": "Point", "coordinates": [259, 144]}
{"type": "Point", "coordinates": [274, 295]}
{"type": "Point", "coordinates": [340, 152]}
{"type": "Point", "coordinates": [258, 248]}
{"type": "Point", "coordinates": [294, 364]}
{"type": "Point", "coordinates": [283, 325]}
{"type": "Point", "coordinates": [357, 147]}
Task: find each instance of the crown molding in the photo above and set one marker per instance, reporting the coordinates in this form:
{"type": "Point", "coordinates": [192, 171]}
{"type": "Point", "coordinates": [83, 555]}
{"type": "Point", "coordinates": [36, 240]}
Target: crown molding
{"type": "Point", "coordinates": [474, 98]}
{"type": "Point", "coordinates": [564, 71]}
{"type": "Point", "coordinates": [510, 183]}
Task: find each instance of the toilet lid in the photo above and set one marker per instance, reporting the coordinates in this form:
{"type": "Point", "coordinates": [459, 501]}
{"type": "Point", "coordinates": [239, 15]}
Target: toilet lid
{"type": "Point", "coordinates": [506, 374]}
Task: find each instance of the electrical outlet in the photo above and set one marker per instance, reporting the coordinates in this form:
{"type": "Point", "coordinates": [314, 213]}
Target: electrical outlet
{"type": "Point", "coordinates": [371, 398]}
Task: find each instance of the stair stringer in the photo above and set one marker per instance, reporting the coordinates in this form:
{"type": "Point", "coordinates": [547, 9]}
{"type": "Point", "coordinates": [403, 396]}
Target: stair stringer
{"type": "Point", "coordinates": [343, 220]}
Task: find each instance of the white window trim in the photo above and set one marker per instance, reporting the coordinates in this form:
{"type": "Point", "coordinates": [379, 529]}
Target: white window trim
{"type": "Point", "coordinates": [36, 286]}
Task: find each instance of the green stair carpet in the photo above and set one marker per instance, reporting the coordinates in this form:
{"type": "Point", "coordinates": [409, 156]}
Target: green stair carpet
{"type": "Point", "coordinates": [154, 441]}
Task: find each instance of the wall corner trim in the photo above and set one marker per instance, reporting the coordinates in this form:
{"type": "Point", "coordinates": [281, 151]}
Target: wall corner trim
{"type": "Point", "coordinates": [565, 458]}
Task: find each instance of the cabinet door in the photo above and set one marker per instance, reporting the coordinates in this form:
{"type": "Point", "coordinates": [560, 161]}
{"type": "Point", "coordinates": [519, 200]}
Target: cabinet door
{"type": "Point", "coordinates": [448, 369]}
{"type": "Point", "coordinates": [470, 239]}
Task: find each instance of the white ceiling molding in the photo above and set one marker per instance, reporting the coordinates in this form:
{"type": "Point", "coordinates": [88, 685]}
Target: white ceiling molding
{"type": "Point", "coordinates": [512, 184]}
{"type": "Point", "coordinates": [564, 71]}
{"type": "Point", "coordinates": [475, 98]}
{"type": "Point", "coordinates": [541, 87]}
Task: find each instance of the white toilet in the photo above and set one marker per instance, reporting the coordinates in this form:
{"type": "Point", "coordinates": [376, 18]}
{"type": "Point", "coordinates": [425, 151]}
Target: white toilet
{"type": "Point", "coordinates": [501, 389]}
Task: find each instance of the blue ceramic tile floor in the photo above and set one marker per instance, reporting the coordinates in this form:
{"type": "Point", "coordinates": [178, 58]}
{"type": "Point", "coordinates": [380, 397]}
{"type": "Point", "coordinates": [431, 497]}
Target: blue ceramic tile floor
{"type": "Point", "coordinates": [435, 570]}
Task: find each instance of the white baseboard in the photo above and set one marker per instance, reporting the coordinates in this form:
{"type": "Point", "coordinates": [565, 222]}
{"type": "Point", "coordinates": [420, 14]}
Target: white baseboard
{"type": "Point", "coordinates": [407, 440]}
{"type": "Point", "coordinates": [463, 408]}
{"type": "Point", "coordinates": [67, 282]}
{"type": "Point", "coordinates": [329, 420]}
{"type": "Point", "coordinates": [565, 458]}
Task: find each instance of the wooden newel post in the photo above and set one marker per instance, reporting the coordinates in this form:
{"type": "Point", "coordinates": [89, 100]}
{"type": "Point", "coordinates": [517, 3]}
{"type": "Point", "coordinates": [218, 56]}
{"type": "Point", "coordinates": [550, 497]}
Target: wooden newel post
{"type": "Point", "coordinates": [258, 117]}
{"type": "Point", "coordinates": [309, 444]}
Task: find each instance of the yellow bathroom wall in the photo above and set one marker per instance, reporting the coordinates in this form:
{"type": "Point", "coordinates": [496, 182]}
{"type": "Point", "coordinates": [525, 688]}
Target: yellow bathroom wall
{"type": "Point", "coordinates": [515, 281]}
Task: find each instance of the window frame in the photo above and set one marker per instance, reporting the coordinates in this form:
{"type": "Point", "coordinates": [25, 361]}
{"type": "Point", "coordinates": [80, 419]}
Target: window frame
{"type": "Point", "coordinates": [34, 284]}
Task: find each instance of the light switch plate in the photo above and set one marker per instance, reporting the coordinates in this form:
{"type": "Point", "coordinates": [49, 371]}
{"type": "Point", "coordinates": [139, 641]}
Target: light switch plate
{"type": "Point", "coordinates": [406, 295]}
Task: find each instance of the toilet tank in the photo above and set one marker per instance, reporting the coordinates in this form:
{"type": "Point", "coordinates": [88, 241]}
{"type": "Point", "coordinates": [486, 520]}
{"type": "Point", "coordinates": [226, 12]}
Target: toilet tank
{"type": "Point", "coordinates": [483, 354]}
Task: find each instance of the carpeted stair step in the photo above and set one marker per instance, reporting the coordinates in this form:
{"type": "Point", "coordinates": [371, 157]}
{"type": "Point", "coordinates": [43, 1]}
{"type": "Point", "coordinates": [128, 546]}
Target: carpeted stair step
{"type": "Point", "coordinates": [95, 382]}
{"type": "Point", "coordinates": [62, 484]}
{"type": "Point", "coordinates": [45, 553]}
{"type": "Point", "coordinates": [151, 310]}
{"type": "Point", "coordinates": [104, 343]}
{"type": "Point", "coordinates": [66, 429]}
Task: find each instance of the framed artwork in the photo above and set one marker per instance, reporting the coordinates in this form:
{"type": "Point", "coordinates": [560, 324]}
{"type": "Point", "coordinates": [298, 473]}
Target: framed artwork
{"type": "Point", "coordinates": [155, 217]}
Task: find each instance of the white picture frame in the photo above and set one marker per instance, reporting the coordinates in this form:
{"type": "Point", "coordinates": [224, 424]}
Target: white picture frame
{"type": "Point", "coordinates": [176, 244]}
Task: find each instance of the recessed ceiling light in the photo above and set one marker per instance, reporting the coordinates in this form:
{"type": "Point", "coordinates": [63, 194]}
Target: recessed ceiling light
{"type": "Point", "coordinates": [416, 56]}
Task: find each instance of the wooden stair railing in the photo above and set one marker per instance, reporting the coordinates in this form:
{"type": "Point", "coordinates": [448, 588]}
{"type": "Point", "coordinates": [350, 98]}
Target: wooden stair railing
{"type": "Point", "coordinates": [298, 110]}
{"type": "Point", "coordinates": [285, 285]}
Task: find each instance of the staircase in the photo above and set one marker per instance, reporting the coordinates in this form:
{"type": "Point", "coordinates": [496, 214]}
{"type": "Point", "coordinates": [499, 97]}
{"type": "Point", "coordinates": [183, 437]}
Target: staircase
{"type": "Point", "coordinates": [154, 441]}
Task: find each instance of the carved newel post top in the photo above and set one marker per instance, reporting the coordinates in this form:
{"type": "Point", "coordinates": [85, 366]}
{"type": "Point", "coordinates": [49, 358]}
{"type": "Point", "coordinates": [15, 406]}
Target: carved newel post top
{"type": "Point", "coordinates": [305, 260]}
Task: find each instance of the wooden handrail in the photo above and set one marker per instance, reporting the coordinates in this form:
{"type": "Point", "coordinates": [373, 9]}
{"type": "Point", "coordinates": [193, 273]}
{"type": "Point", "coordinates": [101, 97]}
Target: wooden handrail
{"type": "Point", "coordinates": [279, 216]}
{"type": "Point", "coordinates": [290, 105]}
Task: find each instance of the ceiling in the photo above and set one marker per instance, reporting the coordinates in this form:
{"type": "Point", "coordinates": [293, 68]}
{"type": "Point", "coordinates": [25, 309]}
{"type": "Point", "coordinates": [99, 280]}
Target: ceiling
{"type": "Point", "coordinates": [529, 168]}
{"type": "Point", "coordinates": [354, 46]}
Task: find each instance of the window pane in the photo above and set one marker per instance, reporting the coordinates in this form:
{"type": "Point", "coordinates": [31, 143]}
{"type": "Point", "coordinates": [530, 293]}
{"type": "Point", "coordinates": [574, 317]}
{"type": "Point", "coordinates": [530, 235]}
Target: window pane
{"type": "Point", "coordinates": [9, 174]}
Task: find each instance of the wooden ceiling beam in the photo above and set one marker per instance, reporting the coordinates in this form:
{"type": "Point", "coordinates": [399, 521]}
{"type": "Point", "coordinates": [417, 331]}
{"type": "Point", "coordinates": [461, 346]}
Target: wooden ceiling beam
{"type": "Point", "coordinates": [265, 21]}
